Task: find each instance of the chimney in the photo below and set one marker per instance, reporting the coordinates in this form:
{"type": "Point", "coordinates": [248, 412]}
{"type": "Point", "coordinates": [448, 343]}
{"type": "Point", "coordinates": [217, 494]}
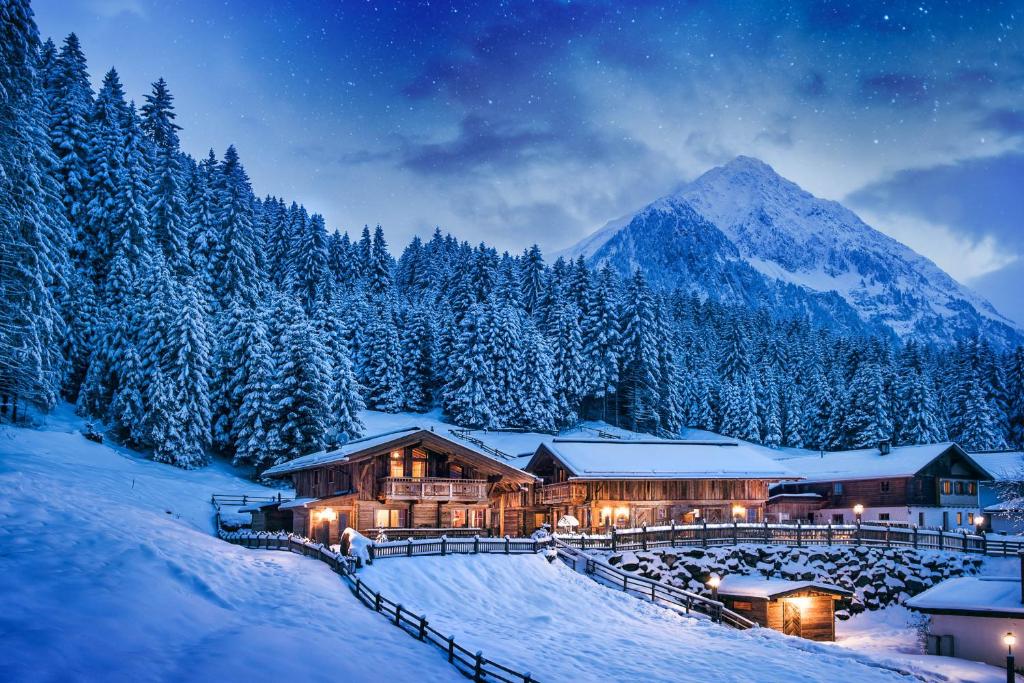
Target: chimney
{"type": "Point", "coordinates": [884, 447]}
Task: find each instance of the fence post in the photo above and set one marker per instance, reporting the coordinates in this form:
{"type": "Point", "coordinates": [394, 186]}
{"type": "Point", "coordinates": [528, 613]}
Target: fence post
{"type": "Point", "coordinates": [376, 602]}
{"type": "Point", "coordinates": [965, 539]}
{"type": "Point", "coordinates": [451, 649]}
{"type": "Point", "coordinates": [735, 532]}
{"type": "Point", "coordinates": [941, 539]}
{"type": "Point", "coordinates": [371, 552]}
{"type": "Point", "coordinates": [444, 545]}
{"type": "Point", "coordinates": [527, 677]}
{"type": "Point", "coordinates": [766, 532]}
{"type": "Point", "coordinates": [915, 535]}
{"type": "Point", "coordinates": [423, 628]}
{"type": "Point", "coordinates": [672, 535]}
{"type": "Point", "coordinates": [799, 533]}
{"type": "Point", "coordinates": [478, 667]}
{"type": "Point", "coordinates": [643, 537]}
{"type": "Point", "coordinates": [888, 543]}
{"type": "Point", "coordinates": [508, 543]}
{"type": "Point", "coordinates": [704, 533]}
{"type": "Point", "coordinates": [984, 542]}
{"type": "Point", "coordinates": [408, 549]}
{"type": "Point", "coordinates": [398, 615]}
{"type": "Point", "coordinates": [856, 533]}
{"type": "Point", "coordinates": [828, 532]}
{"type": "Point", "coordinates": [476, 543]}
{"type": "Point", "coordinates": [614, 542]}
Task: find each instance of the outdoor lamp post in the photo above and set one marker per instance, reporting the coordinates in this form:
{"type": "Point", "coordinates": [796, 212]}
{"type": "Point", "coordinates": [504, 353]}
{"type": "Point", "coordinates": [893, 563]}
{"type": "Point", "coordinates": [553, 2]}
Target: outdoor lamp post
{"type": "Point", "coordinates": [1009, 640]}
{"type": "Point", "coordinates": [713, 584]}
{"type": "Point", "coordinates": [858, 510]}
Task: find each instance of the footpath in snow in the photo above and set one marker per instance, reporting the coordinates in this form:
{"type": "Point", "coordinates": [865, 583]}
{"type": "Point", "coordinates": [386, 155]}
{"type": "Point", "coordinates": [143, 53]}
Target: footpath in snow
{"type": "Point", "coordinates": [111, 573]}
{"type": "Point", "coordinates": [544, 618]}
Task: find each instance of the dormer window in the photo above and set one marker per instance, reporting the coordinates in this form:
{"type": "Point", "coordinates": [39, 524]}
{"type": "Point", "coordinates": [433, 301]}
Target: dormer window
{"type": "Point", "coordinates": [397, 464]}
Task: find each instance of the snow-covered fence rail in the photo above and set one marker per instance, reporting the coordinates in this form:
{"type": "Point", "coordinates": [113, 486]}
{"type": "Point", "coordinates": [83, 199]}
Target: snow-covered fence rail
{"type": "Point", "coordinates": [655, 591]}
{"type": "Point", "coordinates": [473, 664]}
{"type": "Point", "coordinates": [796, 535]}
{"type": "Point", "coordinates": [456, 546]}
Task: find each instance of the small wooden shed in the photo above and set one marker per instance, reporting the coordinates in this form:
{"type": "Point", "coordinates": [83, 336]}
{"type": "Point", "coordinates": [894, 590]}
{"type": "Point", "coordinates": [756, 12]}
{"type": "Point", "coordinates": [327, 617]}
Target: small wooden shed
{"type": "Point", "coordinates": [797, 608]}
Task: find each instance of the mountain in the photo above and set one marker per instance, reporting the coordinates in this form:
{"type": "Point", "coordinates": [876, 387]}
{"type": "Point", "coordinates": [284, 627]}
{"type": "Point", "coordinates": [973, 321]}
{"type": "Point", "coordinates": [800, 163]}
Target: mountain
{"type": "Point", "coordinates": [741, 233]}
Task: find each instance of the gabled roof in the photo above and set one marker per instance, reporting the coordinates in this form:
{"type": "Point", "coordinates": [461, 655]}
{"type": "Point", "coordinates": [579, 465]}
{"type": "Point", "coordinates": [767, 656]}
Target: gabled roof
{"type": "Point", "coordinates": [869, 463]}
{"type": "Point", "coordinates": [980, 596]}
{"type": "Point", "coordinates": [661, 459]}
{"type": "Point", "coordinates": [760, 587]}
{"type": "Point", "coordinates": [1002, 465]}
{"type": "Point", "coordinates": [370, 446]}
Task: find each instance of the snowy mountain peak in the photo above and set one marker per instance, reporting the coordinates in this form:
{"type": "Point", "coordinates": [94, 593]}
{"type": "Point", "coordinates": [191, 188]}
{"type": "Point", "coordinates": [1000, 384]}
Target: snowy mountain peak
{"type": "Point", "coordinates": [742, 233]}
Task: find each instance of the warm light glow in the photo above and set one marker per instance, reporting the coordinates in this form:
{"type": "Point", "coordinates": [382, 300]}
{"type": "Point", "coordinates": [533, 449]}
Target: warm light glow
{"type": "Point", "coordinates": [606, 513]}
{"type": "Point", "coordinates": [858, 509]}
{"type": "Point", "coordinates": [801, 603]}
{"type": "Point", "coordinates": [326, 515]}
{"type": "Point", "coordinates": [622, 513]}
{"type": "Point", "coordinates": [696, 513]}
{"type": "Point", "coordinates": [739, 511]}
{"type": "Point", "coordinates": [1009, 640]}
{"type": "Point", "coordinates": [714, 581]}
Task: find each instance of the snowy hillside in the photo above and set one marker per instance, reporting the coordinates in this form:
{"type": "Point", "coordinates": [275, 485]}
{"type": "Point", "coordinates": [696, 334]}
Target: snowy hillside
{"type": "Point", "coordinates": [742, 233]}
{"type": "Point", "coordinates": [111, 572]}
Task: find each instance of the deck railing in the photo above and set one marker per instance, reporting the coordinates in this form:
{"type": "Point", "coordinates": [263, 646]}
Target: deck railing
{"type": "Point", "coordinates": [797, 535]}
{"type": "Point", "coordinates": [456, 546]}
{"type": "Point", "coordinates": [472, 664]}
{"type": "Point", "coordinates": [433, 488]}
{"type": "Point", "coordinates": [564, 492]}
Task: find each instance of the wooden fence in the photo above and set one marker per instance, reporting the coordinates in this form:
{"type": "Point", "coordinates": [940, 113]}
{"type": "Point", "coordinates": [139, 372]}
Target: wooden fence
{"type": "Point", "coordinates": [455, 546]}
{"type": "Point", "coordinates": [795, 535]}
{"type": "Point", "coordinates": [473, 664]}
{"type": "Point", "coordinates": [656, 591]}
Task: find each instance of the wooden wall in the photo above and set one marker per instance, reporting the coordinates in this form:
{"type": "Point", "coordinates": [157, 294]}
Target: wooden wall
{"type": "Point", "coordinates": [817, 621]}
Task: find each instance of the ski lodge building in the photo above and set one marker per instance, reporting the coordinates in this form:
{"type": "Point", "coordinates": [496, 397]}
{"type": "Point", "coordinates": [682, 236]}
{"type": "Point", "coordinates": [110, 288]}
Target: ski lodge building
{"type": "Point", "coordinates": [418, 482]}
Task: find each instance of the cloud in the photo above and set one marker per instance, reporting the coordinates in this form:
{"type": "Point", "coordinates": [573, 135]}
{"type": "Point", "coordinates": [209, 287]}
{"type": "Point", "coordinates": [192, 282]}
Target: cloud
{"type": "Point", "coordinates": [1008, 122]}
{"type": "Point", "coordinates": [113, 8]}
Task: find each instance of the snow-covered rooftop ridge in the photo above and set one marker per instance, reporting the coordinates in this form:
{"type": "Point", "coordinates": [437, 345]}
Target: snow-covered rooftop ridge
{"type": "Point", "coordinates": [1002, 465]}
{"type": "Point", "coordinates": [759, 587]}
{"type": "Point", "coordinates": [338, 454]}
{"type": "Point", "coordinates": [972, 594]}
{"type": "Point", "coordinates": [665, 459]}
{"type": "Point", "coordinates": [900, 461]}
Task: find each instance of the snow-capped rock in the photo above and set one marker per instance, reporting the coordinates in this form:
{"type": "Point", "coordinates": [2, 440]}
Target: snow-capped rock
{"type": "Point", "coordinates": [741, 233]}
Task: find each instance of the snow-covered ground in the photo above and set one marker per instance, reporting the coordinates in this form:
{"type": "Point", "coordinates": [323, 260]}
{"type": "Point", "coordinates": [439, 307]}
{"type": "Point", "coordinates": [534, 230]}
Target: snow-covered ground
{"type": "Point", "coordinates": [562, 626]}
{"type": "Point", "coordinates": [110, 573]}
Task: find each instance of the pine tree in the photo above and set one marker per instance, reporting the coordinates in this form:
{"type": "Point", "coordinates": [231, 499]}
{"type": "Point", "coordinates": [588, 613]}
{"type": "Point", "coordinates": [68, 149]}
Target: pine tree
{"type": "Point", "coordinates": [167, 209]}
{"type": "Point", "coordinates": [382, 360]}
{"type": "Point", "coordinates": [467, 395]}
{"type": "Point", "coordinates": [532, 279]}
{"type": "Point", "coordinates": [567, 363]}
{"type": "Point", "coordinates": [380, 264]}
{"type": "Point", "coordinates": [311, 277]}
{"type": "Point", "coordinates": [537, 389]}
{"type": "Point", "coordinates": [418, 339]}
{"type": "Point", "coordinates": [867, 421]}
{"type": "Point", "coordinates": [127, 412]}
{"type": "Point", "coordinates": [238, 275]}
{"type": "Point", "coordinates": [301, 391]}
{"type": "Point", "coordinates": [1015, 393]}
{"type": "Point", "coordinates": [187, 359]}
{"type": "Point", "coordinates": [602, 347]}
{"type": "Point", "coordinates": [251, 428]}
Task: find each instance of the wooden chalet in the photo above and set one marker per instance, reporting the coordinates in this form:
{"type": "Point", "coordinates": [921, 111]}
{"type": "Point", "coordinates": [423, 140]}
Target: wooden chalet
{"type": "Point", "coordinates": [797, 608]}
{"type": "Point", "coordinates": [403, 482]}
{"type": "Point", "coordinates": [931, 485]}
{"type": "Point", "coordinates": [606, 483]}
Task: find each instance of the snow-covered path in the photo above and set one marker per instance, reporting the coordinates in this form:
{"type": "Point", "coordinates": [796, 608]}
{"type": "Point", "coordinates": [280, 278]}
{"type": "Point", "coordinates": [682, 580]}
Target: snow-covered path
{"type": "Point", "coordinates": [562, 626]}
{"type": "Point", "coordinates": [110, 573]}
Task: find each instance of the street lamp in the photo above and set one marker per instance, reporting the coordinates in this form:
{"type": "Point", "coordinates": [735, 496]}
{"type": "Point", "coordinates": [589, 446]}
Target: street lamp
{"type": "Point", "coordinates": [858, 510]}
{"type": "Point", "coordinates": [713, 584]}
{"type": "Point", "coordinates": [1009, 640]}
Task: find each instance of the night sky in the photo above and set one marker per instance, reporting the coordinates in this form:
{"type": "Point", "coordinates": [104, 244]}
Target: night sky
{"type": "Point", "coordinates": [520, 122]}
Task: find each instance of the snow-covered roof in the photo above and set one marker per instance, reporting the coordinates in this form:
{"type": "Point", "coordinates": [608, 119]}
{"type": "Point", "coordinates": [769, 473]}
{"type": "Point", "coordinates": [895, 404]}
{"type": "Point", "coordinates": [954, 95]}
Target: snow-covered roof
{"type": "Point", "coordinates": [298, 503]}
{"type": "Point", "coordinates": [760, 587]}
{"type": "Point", "coordinates": [371, 442]}
{"type": "Point", "coordinates": [1006, 506]}
{"type": "Point", "coordinates": [901, 461]}
{"type": "Point", "coordinates": [664, 459]}
{"type": "Point", "coordinates": [972, 595]}
{"type": "Point", "coordinates": [808, 496]}
{"type": "Point", "coordinates": [1002, 465]}
{"type": "Point", "coordinates": [256, 507]}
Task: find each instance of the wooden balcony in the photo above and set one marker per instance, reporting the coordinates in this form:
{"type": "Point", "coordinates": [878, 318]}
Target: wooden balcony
{"type": "Point", "coordinates": [433, 488]}
{"type": "Point", "coordinates": [567, 492]}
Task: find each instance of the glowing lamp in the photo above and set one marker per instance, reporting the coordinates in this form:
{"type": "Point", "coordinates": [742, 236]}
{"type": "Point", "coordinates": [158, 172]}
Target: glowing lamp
{"type": "Point", "coordinates": [739, 511]}
{"type": "Point", "coordinates": [714, 582]}
{"type": "Point", "coordinates": [1009, 640]}
{"type": "Point", "coordinates": [622, 512]}
{"type": "Point", "coordinates": [326, 515]}
{"type": "Point", "coordinates": [858, 509]}
{"type": "Point", "coordinates": [801, 603]}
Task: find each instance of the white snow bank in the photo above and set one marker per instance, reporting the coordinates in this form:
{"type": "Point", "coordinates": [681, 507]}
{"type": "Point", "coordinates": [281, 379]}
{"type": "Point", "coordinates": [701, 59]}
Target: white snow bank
{"type": "Point", "coordinates": [111, 572]}
{"type": "Point", "coordinates": [561, 626]}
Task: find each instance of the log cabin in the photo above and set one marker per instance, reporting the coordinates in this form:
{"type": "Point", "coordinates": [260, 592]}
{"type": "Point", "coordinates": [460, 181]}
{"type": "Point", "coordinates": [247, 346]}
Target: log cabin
{"type": "Point", "coordinates": [797, 608]}
{"type": "Point", "coordinates": [606, 483]}
{"type": "Point", "coordinates": [931, 485]}
{"type": "Point", "coordinates": [402, 482]}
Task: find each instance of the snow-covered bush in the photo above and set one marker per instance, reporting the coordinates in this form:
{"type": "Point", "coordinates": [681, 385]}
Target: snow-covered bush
{"type": "Point", "coordinates": [878, 577]}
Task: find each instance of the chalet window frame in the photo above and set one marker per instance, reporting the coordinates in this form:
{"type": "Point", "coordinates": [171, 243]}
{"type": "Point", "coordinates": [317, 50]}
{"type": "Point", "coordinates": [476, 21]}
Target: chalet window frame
{"type": "Point", "coordinates": [837, 488]}
{"type": "Point", "coordinates": [396, 464]}
{"type": "Point", "coordinates": [959, 518]}
{"type": "Point", "coordinates": [947, 487]}
{"type": "Point", "coordinates": [885, 486]}
{"type": "Point", "coordinates": [972, 488]}
{"type": "Point", "coordinates": [392, 517]}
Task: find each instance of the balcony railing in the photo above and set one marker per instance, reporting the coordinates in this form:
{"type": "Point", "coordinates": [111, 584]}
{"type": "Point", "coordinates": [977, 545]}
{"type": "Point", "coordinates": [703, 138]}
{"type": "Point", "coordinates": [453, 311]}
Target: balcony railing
{"type": "Point", "coordinates": [433, 488]}
{"type": "Point", "coordinates": [570, 492]}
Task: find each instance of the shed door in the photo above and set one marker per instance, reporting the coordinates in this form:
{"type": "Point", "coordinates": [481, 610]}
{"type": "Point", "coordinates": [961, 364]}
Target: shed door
{"type": "Point", "coordinates": [324, 532]}
{"type": "Point", "coordinates": [790, 619]}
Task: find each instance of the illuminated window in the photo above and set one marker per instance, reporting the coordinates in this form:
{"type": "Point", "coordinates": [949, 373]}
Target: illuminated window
{"type": "Point", "coordinates": [458, 518]}
{"type": "Point", "coordinates": [970, 518]}
{"type": "Point", "coordinates": [958, 488]}
{"type": "Point", "coordinates": [455, 470]}
{"type": "Point", "coordinates": [397, 464]}
{"type": "Point", "coordinates": [419, 464]}
{"type": "Point", "coordinates": [476, 518]}
{"type": "Point", "coordinates": [971, 488]}
{"type": "Point", "coordinates": [947, 487]}
{"type": "Point", "coordinates": [742, 605]}
{"type": "Point", "coordinates": [387, 518]}
{"type": "Point", "coordinates": [959, 518]}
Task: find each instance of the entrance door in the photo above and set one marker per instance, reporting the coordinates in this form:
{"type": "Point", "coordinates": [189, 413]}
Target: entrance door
{"type": "Point", "coordinates": [323, 532]}
{"type": "Point", "coordinates": [790, 619]}
{"type": "Point", "coordinates": [342, 522]}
